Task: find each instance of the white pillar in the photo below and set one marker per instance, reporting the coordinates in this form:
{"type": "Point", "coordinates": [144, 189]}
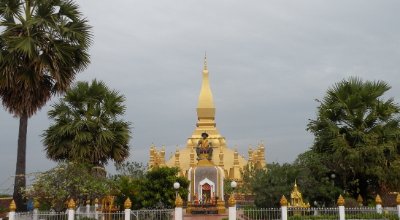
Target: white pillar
{"type": "Point", "coordinates": [341, 212]}
{"type": "Point", "coordinates": [398, 210]}
{"type": "Point", "coordinates": [284, 212]}
{"type": "Point", "coordinates": [35, 214]}
{"type": "Point", "coordinates": [127, 214]}
{"type": "Point", "coordinates": [232, 213]}
{"type": "Point", "coordinates": [11, 216]}
{"type": "Point", "coordinates": [379, 208]}
{"type": "Point", "coordinates": [78, 212]}
{"type": "Point", "coordinates": [178, 213]}
{"type": "Point", "coordinates": [96, 216]}
{"type": "Point", "coordinates": [71, 214]}
{"type": "Point", "coordinates": [88, 210]}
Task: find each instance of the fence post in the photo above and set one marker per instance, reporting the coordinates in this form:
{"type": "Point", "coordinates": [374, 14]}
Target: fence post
{"type": "Point", "coordinates": [96, 205]}
{"type": "Point", "coordinates": [88, 208]}
{"type": "Point", "coordinates": [378, 204]}
{"type": "Point", "coordinates": [127, 206]}
{"type": "Point", "coordinates": [340, 203]}
{"type": "Point", "coordinates": [178, 208]}
{"type": "Point", "coordinates": [71, 211]}
{"type": "Point", "coordinates": [36, 206]}
{"type": "Point", "coordinates": [283, 203]}
{"type": "Point", "coordinates": [11, 214]}
{"type": "Point", "coordinates": [232, 207]}
{"type": "Point", "coordinates": [398, 204]}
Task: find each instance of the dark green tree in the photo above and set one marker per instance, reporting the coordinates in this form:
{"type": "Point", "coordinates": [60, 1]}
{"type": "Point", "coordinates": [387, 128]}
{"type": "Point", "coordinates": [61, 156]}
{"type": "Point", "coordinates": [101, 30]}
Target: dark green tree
{"type": "Point", "coordinates": [127, 183]}
{"type": "Point", "coordinates": [158, 188]}
{"type": "Point", "coordinates": [315, 180]}
{"type": "Point", "coordinates": [43, 45]}
{"type": "Point", "coordinates": [87, 125]}
{"type": "Point", "coordinates": [357, 131]}
{"type": "Point", "coordinates": [268, 187]}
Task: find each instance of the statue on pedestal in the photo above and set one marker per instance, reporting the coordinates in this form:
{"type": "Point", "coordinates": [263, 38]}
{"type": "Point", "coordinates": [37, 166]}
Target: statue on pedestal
{"type": "Point", "coordinates": [204, 146]}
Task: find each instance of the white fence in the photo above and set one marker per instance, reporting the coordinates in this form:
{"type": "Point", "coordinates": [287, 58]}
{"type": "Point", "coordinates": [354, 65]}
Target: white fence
{"type": "Point", "coordinates": [318, 213]}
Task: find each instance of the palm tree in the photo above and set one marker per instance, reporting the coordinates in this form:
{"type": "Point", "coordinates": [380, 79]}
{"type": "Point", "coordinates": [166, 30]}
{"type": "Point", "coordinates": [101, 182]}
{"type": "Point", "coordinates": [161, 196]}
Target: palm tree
{"type": "Point", "coordinates": [87, 126]}
{"type": "Point", "coordinates": [43, 45]}
{"type": "Point", "coordinates": [359, 132]}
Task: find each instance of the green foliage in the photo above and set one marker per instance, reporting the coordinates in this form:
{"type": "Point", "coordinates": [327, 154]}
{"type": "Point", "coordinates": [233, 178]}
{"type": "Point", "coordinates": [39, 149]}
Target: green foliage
{"type": "Point", "coordinates": [87, 125]}
{"type": "Point", "coordinates": [127, 183]}
{"type": "Point", "coordinates": [268, 187]}
{"type": "Point", "coordinates": [228, 189]}
{"type": "Point", "coordinates": [65, 182]}
{"type": "Point", "coordinates": [5, 196]}
{"type": "Point", "coordinates": [358, 134]}
{"type": "Point", "coordinates": [157, 189]}
{"type": "Point", "coordinates": [314, 180]}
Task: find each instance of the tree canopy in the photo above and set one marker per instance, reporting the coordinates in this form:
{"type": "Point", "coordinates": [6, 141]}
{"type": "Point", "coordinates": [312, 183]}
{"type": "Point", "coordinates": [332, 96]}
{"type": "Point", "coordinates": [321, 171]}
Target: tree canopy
{"type": "Point", "coordinates": [43, 45]}
{"type": "Point", "coordinates": [87, 125]}
{"type": "Point", "coordinates": [357, 132]}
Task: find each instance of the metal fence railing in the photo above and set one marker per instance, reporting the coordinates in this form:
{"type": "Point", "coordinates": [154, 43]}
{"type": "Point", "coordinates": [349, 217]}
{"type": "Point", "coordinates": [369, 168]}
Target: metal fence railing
{"type": "Point", "coordinates": [156, 214]}
{"type": "Point", "coordinates": [259, 214]}
{"type": "Point", "coordinates": [41, 216]}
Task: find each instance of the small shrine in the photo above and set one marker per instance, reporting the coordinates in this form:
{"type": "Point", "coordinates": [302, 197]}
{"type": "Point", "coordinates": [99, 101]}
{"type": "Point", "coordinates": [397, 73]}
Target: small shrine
{"type": "Point", "coordinates": [296, 201]}
{"type": "Point", "coordinates": [107, 205]}
{"type": "Point", "coordinates": [206, 191]}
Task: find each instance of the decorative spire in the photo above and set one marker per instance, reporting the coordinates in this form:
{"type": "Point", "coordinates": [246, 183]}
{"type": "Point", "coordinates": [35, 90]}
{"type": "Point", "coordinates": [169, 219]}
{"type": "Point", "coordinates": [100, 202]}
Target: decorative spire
{"type": "Point", "coordinates": [235, 157]}
{"type": "Point", "coordinates": [378, 200]}
{"type": "Point", "coordinates": [205, 98]}
{"type": "Point", "coordinates": [340, 201]}
{"type": "Point", "coordinates": [359, 199]}
{"type": "Point", "coordinates": [221, 158]}
{"type": "Point", "coordinates": [283, 201]}
{"type": "Point", "coordinates": [127, 203]}
{"type": "Point", "coordinates": [177, 163]}
{"type": "Point", "coordinates": [162, 157]}
{"type": "Point", "coordinates": [205, 60]}
{"type": "Point", "coordinates": [250, 155]}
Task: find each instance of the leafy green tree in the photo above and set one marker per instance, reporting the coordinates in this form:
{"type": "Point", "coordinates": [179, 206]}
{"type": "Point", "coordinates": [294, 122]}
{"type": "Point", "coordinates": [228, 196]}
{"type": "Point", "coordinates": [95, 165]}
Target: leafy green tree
{"type": "Point", "coordinates": [358, 132]}
{"type": "Point", "coordinates": [268, 187]}
{"type": "Point", "coordinates": [314, 180]}
{"type": "Point", "coordinates": [158, 188]}
{"type": "Point", "coordinates": [127, 183]}
{"type": "Point", "coordinates": [87, 125]}
{"type": "Point", "coordinates": [43, 45]}
{"type": "Point", "coordinates": [68, 180]}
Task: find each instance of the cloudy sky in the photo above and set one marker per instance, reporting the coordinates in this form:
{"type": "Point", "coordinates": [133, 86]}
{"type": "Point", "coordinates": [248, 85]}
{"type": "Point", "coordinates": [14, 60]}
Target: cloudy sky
{"type": "Point", "coordinates": [268, 62]}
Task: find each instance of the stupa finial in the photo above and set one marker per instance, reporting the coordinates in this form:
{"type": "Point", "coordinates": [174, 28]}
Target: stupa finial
{"type": "Point", "coordinates": [205, 60]}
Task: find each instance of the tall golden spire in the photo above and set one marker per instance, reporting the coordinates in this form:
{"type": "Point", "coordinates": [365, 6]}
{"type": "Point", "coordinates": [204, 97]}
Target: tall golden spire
{"type": "Point", "coordinates": [205, 98]}
{"type": "Point", "coordinates": [206, 110]}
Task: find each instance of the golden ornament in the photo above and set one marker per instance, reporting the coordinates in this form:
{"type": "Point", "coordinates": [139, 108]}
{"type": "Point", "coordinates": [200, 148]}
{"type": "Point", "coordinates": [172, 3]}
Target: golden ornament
{"type": "Point", "coordinates": [12, 206]}
{"type": "Point", "coordinates": [340, 201]}
{"type": "Point", "coordinates": [178, 201]}
{"type": "Point", "coordinates": [378, 200]}
{"type": "Point", "coordinates": [127, 203]}
{"type": "Point", "coordinates": [71, 204]}
{"type": "Point", "coordinates": [283, 201]}
{"type": "Point", "coordinates": [232, 201]}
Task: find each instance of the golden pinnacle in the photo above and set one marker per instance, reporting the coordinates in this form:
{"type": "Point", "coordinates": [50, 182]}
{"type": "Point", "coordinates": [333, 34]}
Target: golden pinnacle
{"type": "Point", "coordinates": [378, 200]}
{"type": "Point", "coordinates": [232, 201]}
{"type": "Point", "coordinates": [283, 201]}
{"type": "Point", "coordinates": [178, 201]}
{"type": "Point", "coordinates": [71, 204]}
{"type": "Point", "coordinates": [127, 203]}
{"type": "Point", "coordinates": [12, 206]}
{"type": "Point", "coordinates": [340, 201]}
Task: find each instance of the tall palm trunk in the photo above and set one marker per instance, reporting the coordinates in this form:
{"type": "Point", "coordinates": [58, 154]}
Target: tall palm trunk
{"type": "Point", "coordinates": [20, 180]}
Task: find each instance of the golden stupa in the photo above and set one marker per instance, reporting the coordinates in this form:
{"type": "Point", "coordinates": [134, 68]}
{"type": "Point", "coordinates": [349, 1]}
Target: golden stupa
{"type": "Point", "coordinates": [229, 160]}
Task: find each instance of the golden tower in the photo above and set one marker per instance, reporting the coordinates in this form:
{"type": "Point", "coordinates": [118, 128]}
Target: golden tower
{"type": "Point", "coordinates": [227, 159]}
